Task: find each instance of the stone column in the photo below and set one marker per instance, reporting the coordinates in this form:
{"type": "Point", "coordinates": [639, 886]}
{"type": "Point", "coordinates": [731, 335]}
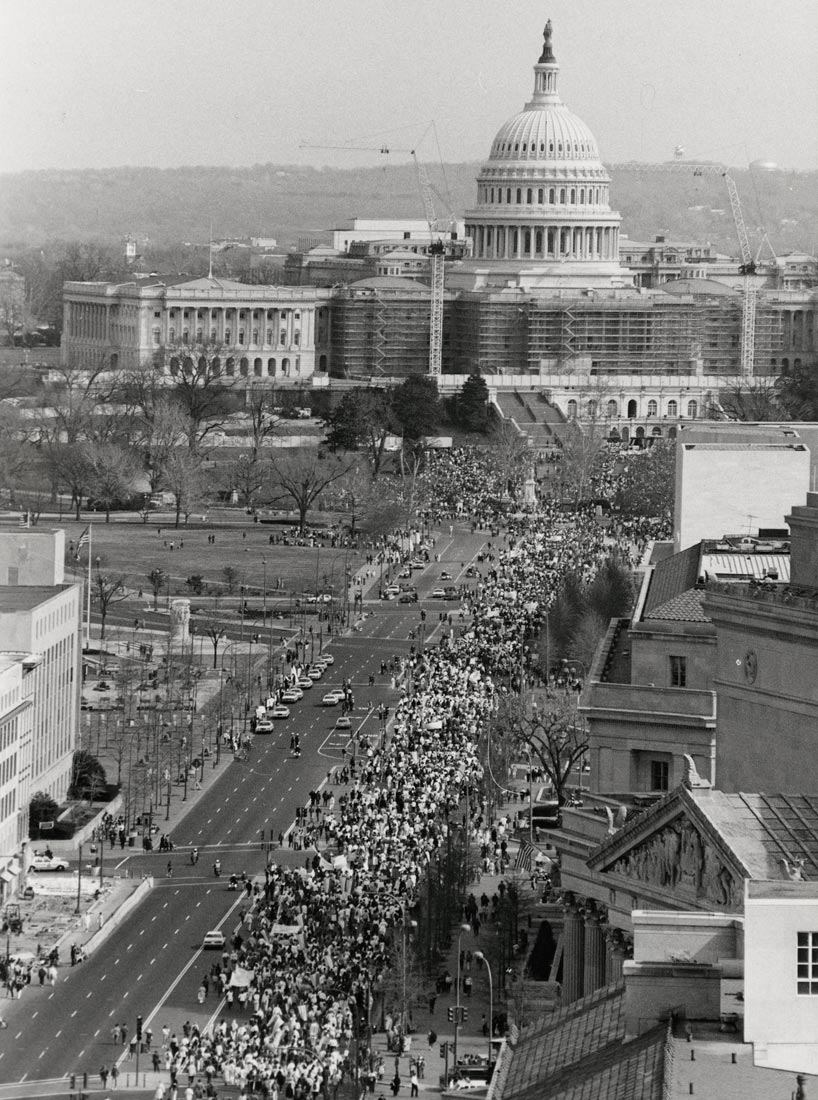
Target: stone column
{"type": "Point", "coordinates": [594, 968]}
{"type": "Point", "coordinates": [573, 950]}
{"type": "Point", "coordinates": [614, 955]}
{"type": "Point", "coordinates": [179, 624]}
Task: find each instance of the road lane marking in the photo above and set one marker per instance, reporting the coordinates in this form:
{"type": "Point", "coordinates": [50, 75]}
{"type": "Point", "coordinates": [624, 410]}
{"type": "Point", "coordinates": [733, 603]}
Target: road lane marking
{"type": "Point", "coordinates": [36, 1014]}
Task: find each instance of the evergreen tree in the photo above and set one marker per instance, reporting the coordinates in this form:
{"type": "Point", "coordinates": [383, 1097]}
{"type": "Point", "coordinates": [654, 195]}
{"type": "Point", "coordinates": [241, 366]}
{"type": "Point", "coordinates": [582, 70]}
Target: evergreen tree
{"type": "Point", "coordinates": [472, 406]}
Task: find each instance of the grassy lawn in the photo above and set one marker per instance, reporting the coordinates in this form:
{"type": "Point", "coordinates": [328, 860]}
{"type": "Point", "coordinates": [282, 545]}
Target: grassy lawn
{"type": "Point", "coordinates": [133, 549]}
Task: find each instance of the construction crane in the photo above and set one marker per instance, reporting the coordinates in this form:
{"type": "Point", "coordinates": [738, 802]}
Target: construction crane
{"type": "Point", "coordinates": [748, 261]}
{"type": "Point", "coordinates": [437, 250]}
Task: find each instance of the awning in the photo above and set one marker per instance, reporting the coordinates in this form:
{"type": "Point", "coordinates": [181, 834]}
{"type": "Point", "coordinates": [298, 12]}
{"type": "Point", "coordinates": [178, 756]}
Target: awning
{"type": "Point", "coordinates": [14, 867]}
{"type": "Point", "coordinates": [6, 876]}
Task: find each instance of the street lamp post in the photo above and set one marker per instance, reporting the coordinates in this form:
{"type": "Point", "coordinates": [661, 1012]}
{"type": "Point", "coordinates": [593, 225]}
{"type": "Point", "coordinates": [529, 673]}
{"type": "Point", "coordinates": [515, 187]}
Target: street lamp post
{"type": "Point", "coordinates": [479, 955]}
{"type": "Point", "coordinates": [411, 924]}
{"type": "Point", "coordinates": [457, 1009]}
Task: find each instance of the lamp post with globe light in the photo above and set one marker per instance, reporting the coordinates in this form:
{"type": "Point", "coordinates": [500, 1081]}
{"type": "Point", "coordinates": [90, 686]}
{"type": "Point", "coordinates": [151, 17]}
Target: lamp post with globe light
{"type": "Point", "coordinates": [482, 958]}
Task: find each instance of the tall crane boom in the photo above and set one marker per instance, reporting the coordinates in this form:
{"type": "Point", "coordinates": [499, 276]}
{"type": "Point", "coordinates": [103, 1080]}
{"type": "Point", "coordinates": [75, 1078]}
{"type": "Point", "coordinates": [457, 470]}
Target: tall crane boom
{"type": "Point", "coordinates": [748, 267]}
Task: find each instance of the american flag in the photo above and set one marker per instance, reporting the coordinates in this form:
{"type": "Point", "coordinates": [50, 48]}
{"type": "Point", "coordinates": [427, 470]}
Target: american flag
{"type": "Point", "coordinates": [525, 856]}
{"type": "Point", "coordinates": [83, 540]}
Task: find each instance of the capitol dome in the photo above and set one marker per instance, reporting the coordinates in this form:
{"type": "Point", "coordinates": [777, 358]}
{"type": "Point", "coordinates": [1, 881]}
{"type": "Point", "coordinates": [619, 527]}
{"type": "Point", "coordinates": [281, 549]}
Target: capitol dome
{"type": "Point", "coordinates": [543, 218]}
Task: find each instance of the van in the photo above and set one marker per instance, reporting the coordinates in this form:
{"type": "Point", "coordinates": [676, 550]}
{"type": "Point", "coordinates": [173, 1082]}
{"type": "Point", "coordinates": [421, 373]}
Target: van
{"type": "Point", "coordinates": [545, 810]}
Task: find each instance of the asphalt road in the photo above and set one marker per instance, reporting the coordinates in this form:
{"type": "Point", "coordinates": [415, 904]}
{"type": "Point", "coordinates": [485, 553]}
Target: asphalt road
{"type": "Point", "coordinates": [152, 966]}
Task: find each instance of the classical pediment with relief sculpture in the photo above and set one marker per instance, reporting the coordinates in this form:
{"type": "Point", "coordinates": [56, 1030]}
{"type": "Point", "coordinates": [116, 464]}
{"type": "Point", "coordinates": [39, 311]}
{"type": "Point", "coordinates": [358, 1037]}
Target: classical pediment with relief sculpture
{"type": "Point", "coordinates": [669, 852]}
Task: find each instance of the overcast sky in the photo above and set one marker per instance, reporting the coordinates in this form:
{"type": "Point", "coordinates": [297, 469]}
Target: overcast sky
{"type": "Point", "coordinates": [93, 83]}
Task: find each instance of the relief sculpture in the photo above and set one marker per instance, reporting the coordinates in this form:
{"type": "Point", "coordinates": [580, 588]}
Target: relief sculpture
{"type": "Point", "coordinates": [677, 856]}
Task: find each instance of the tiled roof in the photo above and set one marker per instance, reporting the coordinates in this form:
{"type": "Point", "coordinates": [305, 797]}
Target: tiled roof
{"type": "Point", "coordinates": [620, 1071]}
{"type": "Point", "coordinates": [580, 1053]}
{"type": "Point", "coordinates": [565, 1038]}
{"type": "Point", "coordinates": [671, 577]}
{"type": "Point", "coordinates": [687, 607]}
{"type": "Point", "coordinates": [763, 829]}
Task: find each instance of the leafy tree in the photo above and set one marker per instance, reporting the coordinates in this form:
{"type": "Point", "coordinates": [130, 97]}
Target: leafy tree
{"type": "Point", "coordinates": [88, 778]}
{"type": "Point", "coordinates": [156, 579]}
{"type": "Point", "coordinates": [105, 591]}
{"type": "Point", "coordinates": [472, 405]}
{"type": "Point", "coordinates": [362, 419]}
{"type": "Point", "coordinates": [196, 584]}
{"type": "Point", "coordinates": [416, 406]}
{"type": "Point", "coordinates": [301, 478]}
{"type": "Point", "coordinates": [42, 807]}
{"type": "Point", "coordinates": [610, 593]}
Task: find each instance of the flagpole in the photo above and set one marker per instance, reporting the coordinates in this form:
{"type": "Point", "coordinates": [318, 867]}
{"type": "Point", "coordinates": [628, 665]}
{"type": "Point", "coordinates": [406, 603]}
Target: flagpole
{"type": "Point", "coordinates": [88, 594]}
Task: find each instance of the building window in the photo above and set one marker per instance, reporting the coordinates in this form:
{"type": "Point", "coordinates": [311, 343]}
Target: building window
{"type": "Point", "coordinates": [678, 672]}
{"type": "Point", "coordinates": [807, 963]}
{"type": "Point", "coordinates": [692, 410]}
{"type": "Point", "coordinates": [659, 775]}
{"type": "Point", "coordinates": [653, 408]}
{"type": "Point", "coordinates": [156, 338]}
{"type": "Point", "coordinates": [672, 408]}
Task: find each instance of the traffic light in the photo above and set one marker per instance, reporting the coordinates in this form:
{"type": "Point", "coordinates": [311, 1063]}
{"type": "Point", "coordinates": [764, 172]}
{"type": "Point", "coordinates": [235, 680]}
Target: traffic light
{"type": "Point", "coordinates": [464, 1012]}
{"type": "Point", "coordinates": [138, 1027]}
{"type": "Point", "coordinates": [451, 1014]}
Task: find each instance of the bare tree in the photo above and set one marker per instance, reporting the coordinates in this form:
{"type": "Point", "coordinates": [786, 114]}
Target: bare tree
{"type": "Point", "coordinates": [215, 630]}
{"type": "Point", "coordinates": [182, 476]}
{"type": "Point", "coordinates": [755, 398]}
{"type": "Point", "coordinates": [197, 372]}
{"type": "Point", "coordinates": [303, 476]}
{"type": "Point", "coordinates": [550, 729]}
{"type": "Point", "coordinates": [105, 591]}
{"type": "Point", "coordinates": [511, 453]}
{"type": "Point", "coordinates": [111, 470]}
{"type": "Point", "coordinates": [156, 578]}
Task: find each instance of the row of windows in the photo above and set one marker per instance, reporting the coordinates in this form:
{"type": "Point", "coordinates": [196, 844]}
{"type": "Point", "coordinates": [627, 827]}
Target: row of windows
{"type": "Point", "coordinates": [8, 804]}
{"type": "Point", "coordinates": [8, 733]}
{"type": "Point", "coordinates": [612, 408]}
{"type": "Point", "coordinates": [243, 365]}
{"type": "Point", "coordinates": [8, 768]}
{"type": "Point", "coordinates": [567, 148]}
{"type": "Point", "coordinates": [228, 334]}
{"type": "Point", "coordinates": [229, 311]}
{"type": "Point", "coordinates": [54, 618]}
{"type": "Point", "coordinates": [567, 195]}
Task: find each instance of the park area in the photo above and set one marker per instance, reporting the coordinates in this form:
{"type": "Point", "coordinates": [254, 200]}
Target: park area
{"type": "Point", "coordinates": [228, 552]}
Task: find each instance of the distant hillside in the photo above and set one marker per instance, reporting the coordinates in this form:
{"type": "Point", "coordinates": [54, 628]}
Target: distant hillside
{"type": "Point", "coordinates": [171, 205]}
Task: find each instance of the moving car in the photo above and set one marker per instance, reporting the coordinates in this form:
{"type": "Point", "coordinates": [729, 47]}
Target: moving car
{"type": "Point", "coordinates": [278, 711]}
{"type": "Point", "coordinates": [264, 725]}
{"type": "Point", "coordinates": [438, 593]}
{"type": "Point", "coordinates": [291, 695]}
{"type": "Point", "coordinates": [445, 575]}
{"type": "Point", "coordinates": [328, 657]}
{"type": "Point", "coordinates": [408, 597]}
{"type": "Point", "coordinates": [344, 723]}
{"type": "Point", "coordinates": [41, 862]}
{"type": "Point", "coordinates": [213, 940]}
{"type": "Point", "coordinates": [332, 697]}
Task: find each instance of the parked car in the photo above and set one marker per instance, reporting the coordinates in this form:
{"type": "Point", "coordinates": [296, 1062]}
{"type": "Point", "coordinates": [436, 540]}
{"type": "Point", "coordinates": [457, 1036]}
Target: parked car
{"type": "Point", "coordinates": [328, 657]}
{"type": "Point", "coordinates": [41, 862]}
{"type": "Point", "coordinates": [405, 573]}
{"type": "Point", "coordinates": [213, 941]}
{"type": "Point", "coordinates": [438, 593]}
{"type": "Point", "coordinates": [315, 673]}
{"type": "Point", "coordinates": [305, 683]}
{"type": "Point", "coordinates": [264, 725]}
{"type": "Point", "coordinates": [445, 575]}
{"type": "Point", "coordinates": [278, 711]}
{"type": "Point", "coordinates": [291, 695]}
